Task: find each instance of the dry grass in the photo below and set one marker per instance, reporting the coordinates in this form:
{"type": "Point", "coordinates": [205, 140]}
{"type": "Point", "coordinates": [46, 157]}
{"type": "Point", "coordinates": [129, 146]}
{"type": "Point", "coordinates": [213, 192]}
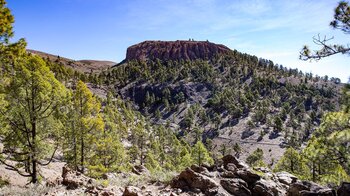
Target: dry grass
{"type": "Point", "coordinates": [30, 190]}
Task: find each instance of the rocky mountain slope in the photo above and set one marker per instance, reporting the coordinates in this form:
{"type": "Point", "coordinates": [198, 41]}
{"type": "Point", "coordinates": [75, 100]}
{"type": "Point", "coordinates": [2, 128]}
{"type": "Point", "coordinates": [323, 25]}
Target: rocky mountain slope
{"type": "Point", "coordinates": [230, 97]}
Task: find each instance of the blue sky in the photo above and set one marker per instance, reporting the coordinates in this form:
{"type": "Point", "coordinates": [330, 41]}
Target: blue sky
{"type": "Point", "coordinates": [103, 29]}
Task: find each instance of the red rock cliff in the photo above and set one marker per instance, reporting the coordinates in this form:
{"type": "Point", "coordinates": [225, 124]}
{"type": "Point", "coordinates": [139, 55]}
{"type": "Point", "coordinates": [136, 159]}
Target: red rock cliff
{"type": "Point", "coordinates": [174, 50]}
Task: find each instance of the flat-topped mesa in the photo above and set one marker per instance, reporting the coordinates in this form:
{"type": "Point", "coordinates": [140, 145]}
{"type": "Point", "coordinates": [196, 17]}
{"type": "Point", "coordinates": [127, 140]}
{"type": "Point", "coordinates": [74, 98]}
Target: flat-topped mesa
{"type": "Point", "coordinates": [174, 50]}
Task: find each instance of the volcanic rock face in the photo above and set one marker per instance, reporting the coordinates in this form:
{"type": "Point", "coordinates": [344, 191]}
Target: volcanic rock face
{"type": "Point", "coordinates": [174, 50]}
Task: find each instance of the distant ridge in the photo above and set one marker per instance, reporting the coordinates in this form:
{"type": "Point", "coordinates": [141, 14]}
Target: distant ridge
{"type": "Point", "coordinates": [80, 65]}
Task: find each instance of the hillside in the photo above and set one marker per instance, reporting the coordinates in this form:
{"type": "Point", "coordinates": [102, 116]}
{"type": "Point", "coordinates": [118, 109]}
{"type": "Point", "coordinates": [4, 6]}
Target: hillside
{"type": "Point", "coordinates": [85, 66]}
{"type": "Point", "coordinates": [180, 117]}
{"type": "Point", "coordinates": [231, 98]}
{"type": "Point", "coordinates": [169, 127]}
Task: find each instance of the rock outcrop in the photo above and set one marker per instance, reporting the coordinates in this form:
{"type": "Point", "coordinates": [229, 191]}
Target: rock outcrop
{"type": "Point", "coordinates": [233, 177]}
{"type": "Point", "coordinates": [174, 50]}
{"type": "Point", "coordinates": [73, 179]}
{"type": "Point", "coordinates": [190, 180]}
{"type": "Point", "coordinates": [227, 177]}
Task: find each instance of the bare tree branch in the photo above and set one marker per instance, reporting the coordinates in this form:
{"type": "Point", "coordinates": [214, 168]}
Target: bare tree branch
{"type": "Point", "coordinates": [342, 22]}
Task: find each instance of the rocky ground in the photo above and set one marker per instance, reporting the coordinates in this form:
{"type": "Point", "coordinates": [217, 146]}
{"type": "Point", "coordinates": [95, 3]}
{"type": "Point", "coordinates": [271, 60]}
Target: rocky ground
{"type": "Point", "coordinates": [228, 177]}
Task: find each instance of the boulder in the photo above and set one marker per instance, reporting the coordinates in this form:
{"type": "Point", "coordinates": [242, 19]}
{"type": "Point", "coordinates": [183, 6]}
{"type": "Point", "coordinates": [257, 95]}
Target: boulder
{"type": "Point", "coordinates": [131, 191]}
{"type": "Point", "coordinates": [191, 180]}
{"type": "Point", "coordinates": [286, 178]}
{"type": "Point", "coordinates": [344, 189]}
{"type": "Point", "coordinates": [210, 168]}
{"type": "Point", "coordinates": [296, 188]}
{"type": "Point", "coordinates": [65, 170]}
{"type": "Point", "coordinates": [73, 179]}
{"type": "Point", "coordinates": [235, 186]}
{"type": "Point", "coordinates": [231, 167]}
{"type": "Point", "coordinates": [248, 176]}
{"type": "Point", "coordinates": [268, 188]}
{"type": "Point", "coordinates": [306, 188]}
{"type": "Point", "coordinates": [262, 190]}
{"type": "Point", "coordinates": [202, 170]}
{"type": "Point", "coordinates": [54, 182]}
{"type": "Point", "coordinates": [228, 174]}
{"type": "Point", "coordinates": [231, 159]}
{"type": "Point", "coordinates": [106, 193]}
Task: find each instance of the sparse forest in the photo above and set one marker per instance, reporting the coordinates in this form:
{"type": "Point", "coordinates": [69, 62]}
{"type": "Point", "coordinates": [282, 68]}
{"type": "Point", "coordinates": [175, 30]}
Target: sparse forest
{"type": "Point", "coordinates": [164, 116]}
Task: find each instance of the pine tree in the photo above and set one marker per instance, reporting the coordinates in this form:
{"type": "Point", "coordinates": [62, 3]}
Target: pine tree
{"type": "Point", "coordinates": [256, 158]}
{"type": "Point", "coordinates": [185, 159]}
{"type": "Point", "coordinates": [30, 102]}
{"type": "Point", "coordinates": [7, 20]}
{"type": "Point", "coordinates": [292, 162]}
{"type": "Point", "coordinates": [108, 150]}
{"type": "Point", "coordinates": [200, 154]}
{"type": "Point", "coordinates": [151, 162]}
{"type": "Point", "coordinates": [88, 124]}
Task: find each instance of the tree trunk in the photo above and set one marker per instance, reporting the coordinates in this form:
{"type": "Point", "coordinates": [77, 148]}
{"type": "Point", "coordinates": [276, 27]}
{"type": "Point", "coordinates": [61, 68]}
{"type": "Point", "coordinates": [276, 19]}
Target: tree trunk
{"type": "Point", "coordinates": [34, 162]}
{"type": "Point", "coordinates": [74, 147]}
{"type": "Point", "coordinates": [313, 171]}
{"type": "Point", "coordinates": [81, 138]}
{"type": "Point", "coordinates": [141, 155]}
{"type": "Point", "coordinates": [82, 154]}
{"type": "Point", "coordinates": [33, 155]}
{"type": "Point", "coordinates": [34, 173]}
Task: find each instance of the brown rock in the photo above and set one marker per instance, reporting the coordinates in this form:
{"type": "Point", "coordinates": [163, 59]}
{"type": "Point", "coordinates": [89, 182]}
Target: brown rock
{"type": "Point", "coordinates": [106, 193]}
{"type": "Point", "coordinates": [262, 191]}
{"type": "Point", "coordinates": [131, 191]}
{"type": "Point", "coordinates": [191, 180]}
{"type": "Point", "coordinates": [231, 167]}
{"type": "Point", "coordinates": [286, 178]}
{"type": "Point", "coordinates": [228, 174]}
{"type": "Point", "coordinates": [209, 167]}
{"type": "Point", "coordinates": [174, 50]}
{"type": "Point", "coordinates": [235, 186]}
{"type": "Point", "coordinates": [65, 170]}
{"type": "Point", "coordinates": [231, 159]}
{"type": "Point", "coordinates": [55, 182]}
{"type": "Point", "coordinates": [91, 190]}
{"type": "Point", "coordinates": [73, 179]}
{"type": "Point", "coordinates": [296, 188]}
{"type": "Point", "coordinates": [344, 189]}
{"type": "Point", "coordinates": [199, 169]}
{"type": "Point", "coordinates": [267, 188]}
{"type": "Point", "coordinates": [306, 188]}
{"type": "Point", "coordinates": [248, 176]}
{"type": "Point", "coordinates": [202, 170]}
